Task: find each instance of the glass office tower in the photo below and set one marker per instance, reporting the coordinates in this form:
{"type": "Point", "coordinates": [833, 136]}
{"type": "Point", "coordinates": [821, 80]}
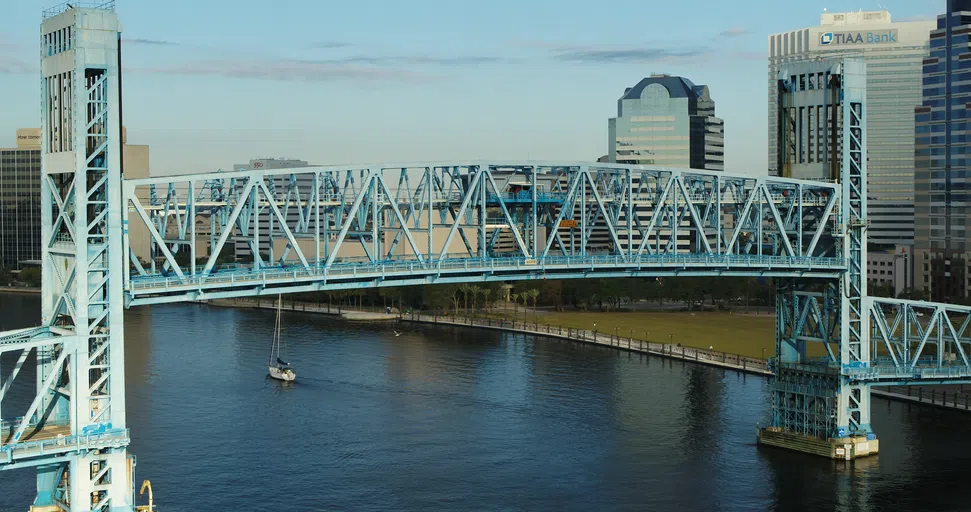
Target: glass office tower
{"type": "Point", "coordinates": [894, 53]}
{"type": "Point", "coordinates": [667, 121]}
{"type": "Point", "coordinates": [942, 157]}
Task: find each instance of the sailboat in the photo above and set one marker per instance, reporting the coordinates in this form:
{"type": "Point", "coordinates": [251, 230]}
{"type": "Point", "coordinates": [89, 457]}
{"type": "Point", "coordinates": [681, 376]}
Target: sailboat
{"type": "Point", "coordinates": [280, 369]}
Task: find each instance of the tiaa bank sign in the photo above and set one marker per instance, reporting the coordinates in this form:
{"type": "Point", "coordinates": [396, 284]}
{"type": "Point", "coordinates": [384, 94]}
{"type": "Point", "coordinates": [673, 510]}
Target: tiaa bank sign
{"type": "Point", "coordinates": [857, 38]}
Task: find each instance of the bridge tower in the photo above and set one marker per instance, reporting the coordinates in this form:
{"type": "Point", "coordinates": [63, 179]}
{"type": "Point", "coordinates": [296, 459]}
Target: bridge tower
{"type": "Point", "coordinates": [818, 405]}
{"type": "Point", "coordinates": [80, 382]}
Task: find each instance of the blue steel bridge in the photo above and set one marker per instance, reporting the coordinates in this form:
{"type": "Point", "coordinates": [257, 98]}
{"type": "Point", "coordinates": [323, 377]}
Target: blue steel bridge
{"type": "Point", "coordinates": [337, 228]}
{"type": "Point", "coordinates": [327, 228]}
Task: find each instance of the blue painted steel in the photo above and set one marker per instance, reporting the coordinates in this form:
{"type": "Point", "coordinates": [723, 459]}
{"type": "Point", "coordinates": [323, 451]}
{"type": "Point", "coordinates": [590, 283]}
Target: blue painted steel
{"type": "Point", "coordinates": [331, 228]}
{"type": "Point", "coordinates": [244, 281]}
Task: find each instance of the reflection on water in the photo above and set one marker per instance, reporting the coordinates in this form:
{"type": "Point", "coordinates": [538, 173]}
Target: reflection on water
{"type": "Point", "coordinates": [453, 419]}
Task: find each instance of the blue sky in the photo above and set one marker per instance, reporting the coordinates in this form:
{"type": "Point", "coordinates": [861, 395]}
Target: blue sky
{"type": "Point", "coordinates": [209, 83]}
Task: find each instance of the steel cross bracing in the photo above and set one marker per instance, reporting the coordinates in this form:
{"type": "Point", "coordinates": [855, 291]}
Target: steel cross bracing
{"type": "Point", "coordinates": [74, 430]}
{"type": "Point", "coordinates": [351, 227]}
{"type": "Point", "coordinates": [327, 228]}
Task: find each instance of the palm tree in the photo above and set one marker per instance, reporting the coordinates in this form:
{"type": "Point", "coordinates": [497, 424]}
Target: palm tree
{"type": "Point", "coordinates": [475, 296]}
{"type": "Point", "coordinates": [466, 291]}
{"type": "Point", "coordinates": [486, 292]}
{"type": "Point", "coordinates": [524, 296]}
{"type": "Point", "coordinates": [534, 294]}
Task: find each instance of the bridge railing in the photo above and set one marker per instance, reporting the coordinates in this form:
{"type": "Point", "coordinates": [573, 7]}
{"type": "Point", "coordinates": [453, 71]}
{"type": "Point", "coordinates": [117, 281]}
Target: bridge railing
{"type": "Point", "coordinates": [63, 444]}
{"type": "Point", "coordinates": [313, 217]}
{"type": "Point", "coordinates": [240, 275]}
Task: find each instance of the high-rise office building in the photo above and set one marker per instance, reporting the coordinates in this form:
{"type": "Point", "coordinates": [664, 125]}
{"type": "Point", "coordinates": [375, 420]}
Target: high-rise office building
{"type": "Point", "coordinates": [20, 194]}
{"type": "Point", "coordinates": [20, 200]}
{"type": "Point", "coordinates": [943, 155]}
{"type": "Point", "coordinates": [893, 53]}
{"type": "Point", "coordinates": [667, 121]}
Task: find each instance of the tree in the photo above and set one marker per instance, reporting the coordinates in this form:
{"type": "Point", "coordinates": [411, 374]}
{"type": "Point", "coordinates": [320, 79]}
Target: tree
{"type": "Point", "coordinates": [533, 293]}
{"type": "Point", "coordinates": [486, 292]}
{"type": "Point", "coordinates": [30, 276]}
{"type": "Point", "coordinates": [466, 290]}
{"type": "Point", "coordinates": [475, 297]}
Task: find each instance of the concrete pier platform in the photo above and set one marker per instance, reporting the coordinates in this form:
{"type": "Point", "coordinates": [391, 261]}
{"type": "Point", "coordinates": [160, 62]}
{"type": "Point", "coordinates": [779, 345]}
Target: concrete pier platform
{"type": "Point", "coordinates": [366, 316]}
{"type": "Point", "coordinates": [839, 449]}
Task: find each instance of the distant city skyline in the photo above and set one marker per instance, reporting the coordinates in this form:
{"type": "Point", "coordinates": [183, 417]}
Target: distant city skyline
{"type": "Point", "coordinates": [376, 81]}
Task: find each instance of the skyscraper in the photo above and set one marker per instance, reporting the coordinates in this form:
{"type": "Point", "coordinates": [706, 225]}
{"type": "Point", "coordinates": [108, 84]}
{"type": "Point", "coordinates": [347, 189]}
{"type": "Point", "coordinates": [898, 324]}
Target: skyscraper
{"type": "Point", "coordinates": [893, 53]}
{"type": "Point", "coordinates": [942, 157]}
{"type": "Point", "coordinates": [667, 121]}
{"type": "Point", "coordinates": [20, 200]}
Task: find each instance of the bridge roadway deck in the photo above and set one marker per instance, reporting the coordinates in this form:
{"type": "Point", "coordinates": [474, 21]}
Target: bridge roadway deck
{"type": "Point", "coordinates": [34, 433]}
{"type": "Point", "coordinates": [53, 439]}
{"type": "Point", "coordinates": [241, 282]}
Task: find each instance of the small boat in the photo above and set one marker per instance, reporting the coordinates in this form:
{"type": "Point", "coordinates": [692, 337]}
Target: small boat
{"type": "Point", "coordinates": [281, 369]}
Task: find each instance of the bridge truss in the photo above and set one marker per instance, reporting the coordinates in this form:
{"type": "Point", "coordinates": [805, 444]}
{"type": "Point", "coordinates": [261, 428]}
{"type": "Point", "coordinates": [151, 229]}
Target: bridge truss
{"type": "Point", "coordinates": [330, 228]}
{"type": "Point", "coordinates": [326, 228]}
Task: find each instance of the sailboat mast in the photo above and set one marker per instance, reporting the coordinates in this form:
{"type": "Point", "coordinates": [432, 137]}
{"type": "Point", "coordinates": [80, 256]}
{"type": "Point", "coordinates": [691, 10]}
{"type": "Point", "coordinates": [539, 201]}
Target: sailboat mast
{"type": "Point", "coordinates": [276, 331]}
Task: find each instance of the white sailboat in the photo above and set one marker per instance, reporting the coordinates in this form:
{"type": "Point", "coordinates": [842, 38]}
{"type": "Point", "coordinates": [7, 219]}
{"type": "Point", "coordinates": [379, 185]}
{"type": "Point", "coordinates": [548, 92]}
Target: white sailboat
{"type": "Point", "coordinates": [279, 369]}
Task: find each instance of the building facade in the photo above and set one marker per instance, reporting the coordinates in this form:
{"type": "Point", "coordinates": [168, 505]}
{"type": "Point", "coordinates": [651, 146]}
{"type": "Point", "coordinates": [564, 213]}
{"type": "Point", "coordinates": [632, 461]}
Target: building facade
{"type": "Point", "coordinates": [942, 156]}
{"type": "Point", "coordinates": [20, 201]}
{"type": "Point", "coordinates": [893, 53]}
{"type": "Point", "coordinates": [20, 194]}
{"type": "Point", "coordinates": [667, 121]}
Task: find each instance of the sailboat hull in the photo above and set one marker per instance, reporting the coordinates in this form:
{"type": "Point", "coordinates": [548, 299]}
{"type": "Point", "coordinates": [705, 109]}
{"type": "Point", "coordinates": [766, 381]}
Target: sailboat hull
{"type": "Point", "coordinates": [285, 375]}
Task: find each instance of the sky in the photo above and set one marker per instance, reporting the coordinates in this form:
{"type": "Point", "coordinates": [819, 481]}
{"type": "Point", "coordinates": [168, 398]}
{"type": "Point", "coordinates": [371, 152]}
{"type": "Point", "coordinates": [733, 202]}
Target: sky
{"type": "Point", "coordinates": [210, 83]}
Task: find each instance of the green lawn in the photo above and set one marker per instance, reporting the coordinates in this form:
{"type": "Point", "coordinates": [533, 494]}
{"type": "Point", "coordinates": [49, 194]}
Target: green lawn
{"type": "Point", "coordinates": [734, 334]}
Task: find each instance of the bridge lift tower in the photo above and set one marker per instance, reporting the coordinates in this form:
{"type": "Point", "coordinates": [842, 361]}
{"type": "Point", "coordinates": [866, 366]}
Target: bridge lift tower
{"type": "Point", "coordinates": [809, 235]}
{"type": "Point", "coordinates": [816, 405]}
{"type": "Point", "coordinates": [821, 405]}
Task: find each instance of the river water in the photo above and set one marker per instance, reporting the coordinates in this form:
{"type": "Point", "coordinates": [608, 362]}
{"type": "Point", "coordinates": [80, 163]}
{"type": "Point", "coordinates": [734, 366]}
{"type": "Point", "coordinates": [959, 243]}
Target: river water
{"type": "Point", "coordinates": [458, 419]}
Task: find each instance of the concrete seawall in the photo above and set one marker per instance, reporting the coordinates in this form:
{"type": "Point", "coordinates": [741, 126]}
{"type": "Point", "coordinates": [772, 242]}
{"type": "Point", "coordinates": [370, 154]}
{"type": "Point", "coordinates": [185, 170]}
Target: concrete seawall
{"type": "Point", "coordinates": [946, 397]}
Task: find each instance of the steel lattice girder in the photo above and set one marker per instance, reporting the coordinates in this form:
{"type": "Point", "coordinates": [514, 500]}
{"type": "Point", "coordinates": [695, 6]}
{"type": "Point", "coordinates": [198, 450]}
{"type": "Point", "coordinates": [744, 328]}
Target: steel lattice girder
{"type": "Point", "coordinates": [310, 221]}
{"type": "Point", "coordinates": [916, 341]}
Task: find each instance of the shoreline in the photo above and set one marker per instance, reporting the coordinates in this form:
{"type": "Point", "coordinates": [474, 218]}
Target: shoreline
{"type": "Point", "coordinates": [11, 289]}
{"type": "Point", "coordinates": [734, 362]}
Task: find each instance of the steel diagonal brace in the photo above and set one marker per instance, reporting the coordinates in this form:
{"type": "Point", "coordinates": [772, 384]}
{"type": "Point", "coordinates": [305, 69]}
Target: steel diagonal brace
{"type": "Point", "coordinates": [876, 312]}
{"type": "Point", "coordinates": [655, 215]}
{"type": "Point", "coordinates": [603, 210]}
{"type": "Point", "coordinates": [778, 220]}
{"type": "Point", "coordinates": [823, 221]}
{"type": "Point", "coordinates": [24, 352]}
{"type": "Point", "coordinates": [931, 327]}
{"type": "Point", "coordinates": [158, 238]}
{"type": "Point", "coordinates": [956, 340]}
{"type": "Point", "coordinates": [48, 382]}
{"type": "Point", "coordinates": [469, 193]}
{"type": "Point", "coordinates": [505, 212]}
{"type": "Point", "coordinates": [283, 224]}
{"type": "Point", "coordinates": [350, 218]}
{"type": "Point", "coordinates": [742, 221]}
{"type": "Point", "coordinates": [228, 228]}
{"type": "Point", "coordinates": [694, 216]}
{"type": "Point", "coordinates": [401, 220]}
{"type": "Point", "coordinates": [61, 210]}
{"type": "Point", "coordinates": [569, 199]}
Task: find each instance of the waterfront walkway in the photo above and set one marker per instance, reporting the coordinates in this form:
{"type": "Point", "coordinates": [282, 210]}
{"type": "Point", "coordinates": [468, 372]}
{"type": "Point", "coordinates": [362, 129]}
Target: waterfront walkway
{"type": "Point", "coordinates": [954, 397]}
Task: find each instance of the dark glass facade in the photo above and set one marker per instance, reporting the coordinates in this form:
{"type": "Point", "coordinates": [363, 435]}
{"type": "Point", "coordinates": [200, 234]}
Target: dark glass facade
{"type": "Point", "coordinates": [19, 206]}
{"type": "Point", "coordinates": [941, 153]}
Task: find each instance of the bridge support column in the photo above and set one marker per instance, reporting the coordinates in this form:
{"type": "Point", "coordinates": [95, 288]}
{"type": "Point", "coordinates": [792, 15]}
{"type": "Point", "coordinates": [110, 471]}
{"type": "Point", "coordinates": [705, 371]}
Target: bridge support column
{"type": "Point", "coordinates": [815, 409]}
{"type": "Point", "coordinates": [822, 405]}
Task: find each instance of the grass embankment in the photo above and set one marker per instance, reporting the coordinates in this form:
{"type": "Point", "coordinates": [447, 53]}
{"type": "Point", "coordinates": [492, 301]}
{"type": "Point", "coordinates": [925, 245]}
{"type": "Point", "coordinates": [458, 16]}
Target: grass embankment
{"type": "Point", "coordinates": [734, 334]}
